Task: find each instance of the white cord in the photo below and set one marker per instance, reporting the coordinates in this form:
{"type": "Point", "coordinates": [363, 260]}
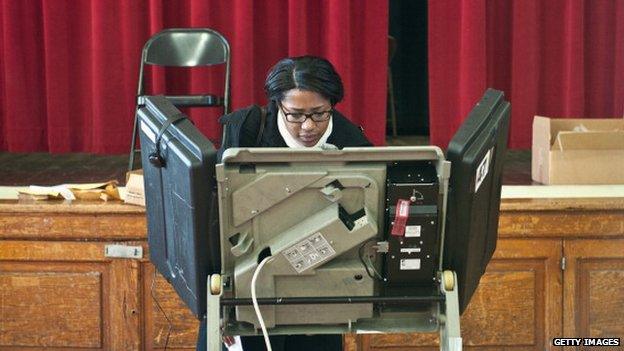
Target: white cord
{"type": "Point", "coordinates": [267, 342]}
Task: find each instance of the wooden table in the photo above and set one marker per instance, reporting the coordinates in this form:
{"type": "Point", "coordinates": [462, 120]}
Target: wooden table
{"type": "Point", "coordinates": [558, 271]}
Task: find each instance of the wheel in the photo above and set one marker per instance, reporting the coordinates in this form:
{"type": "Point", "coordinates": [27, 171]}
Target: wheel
{"type": "Point", "coordinates": [449, 280]}
{"type": "Point", "coordinates": [215, 284]}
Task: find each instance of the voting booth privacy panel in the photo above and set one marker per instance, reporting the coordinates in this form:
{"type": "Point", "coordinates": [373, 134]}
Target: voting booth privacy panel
{"type": "Point", "coordinates": [182, 213]}
{"type": "Point", "coordinates": [357, 238]}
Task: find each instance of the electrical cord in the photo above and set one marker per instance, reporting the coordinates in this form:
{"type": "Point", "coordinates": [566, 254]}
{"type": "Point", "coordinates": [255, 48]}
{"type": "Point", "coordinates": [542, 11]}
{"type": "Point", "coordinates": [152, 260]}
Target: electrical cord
{"type": "Point", "coordinates": [368, 267]}
{"type": "Point", "coordinates": [254, 299]}
{"type": "Point", "coordinates": [372, 267]}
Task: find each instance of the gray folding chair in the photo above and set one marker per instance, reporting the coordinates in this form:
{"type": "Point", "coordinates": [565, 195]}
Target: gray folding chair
{"type": "Point", "coordinates": [184, 47]}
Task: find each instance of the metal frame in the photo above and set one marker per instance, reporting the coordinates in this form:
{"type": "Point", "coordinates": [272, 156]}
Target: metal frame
{"type": "Point", "coordinates": [448, 321]}
{"type": "Point", "coordinates": [440, 310]}
{"type": "Point", "coordinates": [450, 334]}
{"type": "Point", "coordinates": [183, 55]}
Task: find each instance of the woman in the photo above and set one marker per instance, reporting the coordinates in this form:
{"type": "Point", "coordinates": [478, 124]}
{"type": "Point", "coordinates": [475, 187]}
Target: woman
{"type": "Point", "coordinates": [302, 92]}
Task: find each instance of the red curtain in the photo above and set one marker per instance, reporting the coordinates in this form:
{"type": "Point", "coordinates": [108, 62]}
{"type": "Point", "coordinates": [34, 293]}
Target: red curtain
{"type": "Point", "coordinates": [69, 69]}
{"type": "Point", "coordinates": [556, 58]}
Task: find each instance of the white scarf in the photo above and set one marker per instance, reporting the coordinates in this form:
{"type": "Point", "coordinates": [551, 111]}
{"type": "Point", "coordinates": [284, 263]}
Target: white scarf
{"type": "Point", "coordinates": [294, 143]}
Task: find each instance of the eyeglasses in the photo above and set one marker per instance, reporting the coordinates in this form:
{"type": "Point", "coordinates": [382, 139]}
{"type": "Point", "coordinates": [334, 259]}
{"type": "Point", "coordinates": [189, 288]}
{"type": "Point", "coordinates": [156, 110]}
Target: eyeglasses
{"type": "Point", "coordinates": [300, 117]}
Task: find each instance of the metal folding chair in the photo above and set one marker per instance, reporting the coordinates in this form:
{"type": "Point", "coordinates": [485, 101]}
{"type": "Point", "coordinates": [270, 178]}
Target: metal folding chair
{"type": "Point", "coordinates": [184, 47]}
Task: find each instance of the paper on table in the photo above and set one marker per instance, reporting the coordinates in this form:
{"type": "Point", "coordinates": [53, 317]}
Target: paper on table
{"type": "Point", "coordinates": [86, 191]}
{"type": "Point", "coordinates": [135, 193]}
{"type": "Point", "coordinates": [53, 191]}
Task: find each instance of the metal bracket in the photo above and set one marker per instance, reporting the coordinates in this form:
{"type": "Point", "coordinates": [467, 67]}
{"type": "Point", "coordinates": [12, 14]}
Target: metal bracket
{"type": "Point", "coordinates": [213, 316]}
{"type": "Point", "coordinates": [450, 336]}
{"type": "Point", "coordinates": [332, 193]}
{"type": "Point", "coordinates": [242, 246]}
{"type": "Point", "coordinates": [123, 251]}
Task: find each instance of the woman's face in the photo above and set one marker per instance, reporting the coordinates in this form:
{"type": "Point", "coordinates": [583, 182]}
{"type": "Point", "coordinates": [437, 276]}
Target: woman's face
{"type": "Point", "coordinates": [299, 101]}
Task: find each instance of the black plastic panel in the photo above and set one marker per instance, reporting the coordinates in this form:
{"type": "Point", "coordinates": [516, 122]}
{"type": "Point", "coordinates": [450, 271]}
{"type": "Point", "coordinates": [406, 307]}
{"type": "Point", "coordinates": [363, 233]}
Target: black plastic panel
{"type": "Point", "coordinates": [477, 154]}
{"type": "Point", "coordinates": [182, 212]}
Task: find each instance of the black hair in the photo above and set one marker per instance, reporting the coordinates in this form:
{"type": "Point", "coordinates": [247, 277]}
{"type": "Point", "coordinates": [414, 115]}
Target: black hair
{"type": "Point", "coordinates": [306, 73]}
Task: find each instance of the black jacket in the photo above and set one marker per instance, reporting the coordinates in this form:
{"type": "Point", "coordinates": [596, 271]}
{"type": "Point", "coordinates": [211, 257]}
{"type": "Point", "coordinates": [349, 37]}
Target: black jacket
{"type": "Point", "coordinates": [243, 130]}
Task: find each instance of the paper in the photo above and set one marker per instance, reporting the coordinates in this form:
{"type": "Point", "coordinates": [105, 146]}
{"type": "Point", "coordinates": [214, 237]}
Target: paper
{"type": "Point", "coordinates": [87, 191]}
{"type": "Point", "coordinates": [10, 192]}
{"type": "Point", "coordinates": [134, 193]}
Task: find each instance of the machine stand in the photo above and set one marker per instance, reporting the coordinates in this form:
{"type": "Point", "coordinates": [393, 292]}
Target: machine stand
{"type": "Point", "coordinates": [213, 315]}
{"type": "Point", "coordinates": [450, 336]}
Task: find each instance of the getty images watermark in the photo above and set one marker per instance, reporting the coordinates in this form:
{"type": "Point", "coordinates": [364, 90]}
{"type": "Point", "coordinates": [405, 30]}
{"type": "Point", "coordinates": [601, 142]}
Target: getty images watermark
{"type": "Point", "coordinates": [586, 342]}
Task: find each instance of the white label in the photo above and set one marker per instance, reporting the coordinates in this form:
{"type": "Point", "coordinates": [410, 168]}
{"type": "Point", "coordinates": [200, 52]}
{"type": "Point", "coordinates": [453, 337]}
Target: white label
{"type": "Point", "coordinates": [412, 231]}
{"type": "Point", "coordinates": [309, 252]}
{"type": "Point", "coordinates": [483, 169]}
{"type": "Point", "coordinates": [403, 208]}
{"type": "Point", "coordinates": [123, 251]}
{"type": "Point", "coordinates": [410, 264]}
{"type": "Point", "coordinates": [148, 132]}
{"type": "Point", "coordinates": [411, 250]}
{"type": "Point", "coordinates": [360, 222]}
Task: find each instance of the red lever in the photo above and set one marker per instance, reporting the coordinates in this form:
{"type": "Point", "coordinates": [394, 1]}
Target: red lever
{"type": "Point", "coordinates": [400, 217]}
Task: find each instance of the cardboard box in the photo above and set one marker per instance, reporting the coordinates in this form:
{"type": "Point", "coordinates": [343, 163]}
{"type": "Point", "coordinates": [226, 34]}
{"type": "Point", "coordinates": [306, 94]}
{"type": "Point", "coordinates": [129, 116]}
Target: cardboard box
{"type": "Point", "coordinates": [578, 151]}
{"type": "Point", "coordinates": [135, 192]}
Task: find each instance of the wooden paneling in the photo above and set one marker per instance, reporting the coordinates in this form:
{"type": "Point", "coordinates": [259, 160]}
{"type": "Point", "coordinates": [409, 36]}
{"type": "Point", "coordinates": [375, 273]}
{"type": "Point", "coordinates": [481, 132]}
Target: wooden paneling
{"type": "Point", "coordinates": [516, 307]}
{"type": "Point", "coordinates": [67, 294]}
{"type": "Point", "coordinates": [62, 221]}
{"type": "Point", "coordinates": [561, 224]}
{"type": "Point", "coordinates": [574, 204]}
{"type": "Point", "coordinates": [124, 294]}
{"type": "Point", "coordinates": [66, 227]}
{"type": "Point", "coordinates": [594, 294]}
{"type": "Point", "coordinates": [351, 342]}
{"type": "Point", "coordinates": [174, 321]}
{"type": "Point", "coordinates": [53, 305]}
{"type": "Point", "coordinates": [51, 308]}
{"type": "Point", "coordinates": [58, 290]}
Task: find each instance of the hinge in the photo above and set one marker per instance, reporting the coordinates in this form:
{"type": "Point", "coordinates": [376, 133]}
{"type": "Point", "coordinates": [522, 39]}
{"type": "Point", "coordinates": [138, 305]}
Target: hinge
{"type": "Point", "coordinates": [563, 263]}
